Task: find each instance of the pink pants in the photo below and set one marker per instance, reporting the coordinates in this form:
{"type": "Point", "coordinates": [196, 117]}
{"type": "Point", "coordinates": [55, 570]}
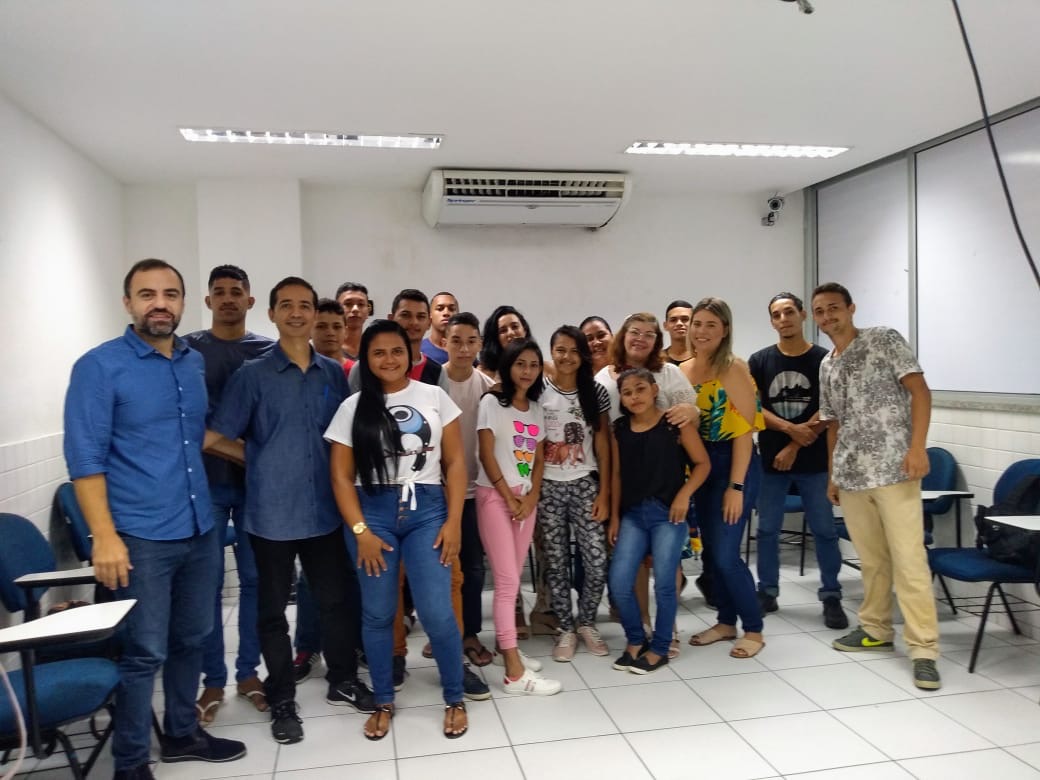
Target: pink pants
{"type": "Point", "coordinates": [506, 543]}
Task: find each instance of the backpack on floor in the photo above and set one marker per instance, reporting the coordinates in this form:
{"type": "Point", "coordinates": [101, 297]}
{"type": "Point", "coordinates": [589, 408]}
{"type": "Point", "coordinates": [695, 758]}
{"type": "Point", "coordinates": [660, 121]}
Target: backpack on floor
{"type": "Point", "coordinates": [1004, 543]}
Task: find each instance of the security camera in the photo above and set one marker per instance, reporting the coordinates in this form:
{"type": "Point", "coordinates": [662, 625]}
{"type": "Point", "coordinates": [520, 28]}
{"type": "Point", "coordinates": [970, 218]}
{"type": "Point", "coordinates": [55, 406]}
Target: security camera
{"type": "Point", "coordinates": [775, 203]}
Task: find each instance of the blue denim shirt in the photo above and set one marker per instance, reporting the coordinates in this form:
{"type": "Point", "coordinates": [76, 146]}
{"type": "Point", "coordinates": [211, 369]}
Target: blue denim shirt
{"type": "Point", "coordinates": [139, 417]}
{"type": "Point", "coordinates": [282, 413]}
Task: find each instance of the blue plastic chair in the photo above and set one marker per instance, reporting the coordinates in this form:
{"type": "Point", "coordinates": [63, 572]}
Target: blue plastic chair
{"type": "Point", "coordinates": [974, 565]}
{"type": "Point", "coordinates": [942, 475]}
{"type": "Point", "coordinates": [55, 694]}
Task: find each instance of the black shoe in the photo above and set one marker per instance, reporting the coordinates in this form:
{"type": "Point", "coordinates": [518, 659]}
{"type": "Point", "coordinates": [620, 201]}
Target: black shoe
{"type": "Point", "coordinates": [286, 726]}
{"type": "Point", "coordinates": [642, 666]}
{"type": "Point", "coordinates": [624, 663]}
{"type": "Point", "coordinates": [304, 665]}
{"type": "Point", "coordinates": [200, 746]}
{"type": "Point", "coordinates": [767, 602]}
{"type": "Point", "coordinates": [353, 693]}
{"type": "Point", "coordinates": [704, 585]}
{"type": "Point", "coordinates": [399, 672]}
{"type": "Point", "coordinates": [142, 772]}
{"type": "Point", "coordinates": [833, 615]}
{"type": "Point", "coordinates": [472, 686]}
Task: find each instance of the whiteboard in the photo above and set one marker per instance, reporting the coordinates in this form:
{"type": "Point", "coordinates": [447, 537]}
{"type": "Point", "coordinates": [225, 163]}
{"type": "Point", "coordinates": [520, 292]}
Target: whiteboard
{"type": "Point", "coordinates": [863, 242]}
{"type": "Point", "coordinates": [978, 306]}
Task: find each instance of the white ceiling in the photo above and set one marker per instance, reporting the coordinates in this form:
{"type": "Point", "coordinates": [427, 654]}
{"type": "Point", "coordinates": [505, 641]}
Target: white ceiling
{"type": "Point", "coordinates": [533, 85]}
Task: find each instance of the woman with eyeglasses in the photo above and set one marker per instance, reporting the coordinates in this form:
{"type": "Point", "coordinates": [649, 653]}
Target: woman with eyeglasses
{"type": "Point", "coordinates": [510, 437]}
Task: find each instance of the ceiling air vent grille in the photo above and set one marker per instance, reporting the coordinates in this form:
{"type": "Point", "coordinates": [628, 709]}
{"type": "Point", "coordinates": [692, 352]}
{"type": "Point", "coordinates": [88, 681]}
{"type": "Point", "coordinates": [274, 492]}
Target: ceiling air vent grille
{"type": "Point", "coordinates": [534, 188]}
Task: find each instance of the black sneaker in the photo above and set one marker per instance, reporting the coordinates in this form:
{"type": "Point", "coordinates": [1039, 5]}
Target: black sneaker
{"type": "Point", "coordinates": [859, 640]}
{"type": "Point", "coordinates": [624, 663]}
{"type": "Point", "coordinates": [399, 672]}
{"type": "Point", "coordinates": [472, 686]}
{"type": "Point", "coordinates": [767, 602]}
{"type": "Point", "coordinates": [642, 665]}
{"type": "Point", "coordinates": [142, 772]}
{"type": "Point", "coordinates": [305, 665]}
{"type": "Point", "coordinates": [353, 693]}
{"type": "Point", "coordinates": [286, 726]}
{"type": "Point", "coordinates": [926, 675]}
{"type": "Point", "coordinates": [833, 615]}
{"type": "Point", "coordinates": [200, 746]}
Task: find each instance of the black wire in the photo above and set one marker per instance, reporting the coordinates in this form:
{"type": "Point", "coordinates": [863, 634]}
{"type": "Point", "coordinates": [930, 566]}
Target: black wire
{"type": "Point", "coordinates": [993, 145]}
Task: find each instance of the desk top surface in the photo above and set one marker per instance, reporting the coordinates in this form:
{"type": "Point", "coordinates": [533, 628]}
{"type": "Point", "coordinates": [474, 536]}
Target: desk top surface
{"type": "Point", "coordinates": [69, 625]}
{"type": "Point", "coordinates": [1026, 522]}
{"type": "Point", "coordinates": [929, 495]}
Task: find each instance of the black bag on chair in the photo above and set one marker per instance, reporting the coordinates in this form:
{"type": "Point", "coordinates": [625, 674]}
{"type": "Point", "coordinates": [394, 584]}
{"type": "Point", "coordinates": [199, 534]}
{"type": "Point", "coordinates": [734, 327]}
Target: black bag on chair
{"type": "Point", "coordinates": [1004, 543]}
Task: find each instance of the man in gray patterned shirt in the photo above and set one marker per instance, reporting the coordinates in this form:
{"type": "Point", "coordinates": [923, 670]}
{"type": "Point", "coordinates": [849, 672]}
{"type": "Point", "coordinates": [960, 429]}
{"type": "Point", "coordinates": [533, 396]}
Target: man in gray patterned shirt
{"type": "Point", "coordinates": [877, 404]}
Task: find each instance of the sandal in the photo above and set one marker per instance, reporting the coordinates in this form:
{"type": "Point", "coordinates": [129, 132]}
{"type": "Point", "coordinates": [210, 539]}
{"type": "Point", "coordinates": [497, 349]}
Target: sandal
{"type": "Point", "coordinates": [451, 716]}
{"type": "Point", "coordinates": [208, 704]}
{"type": "Point", "coordinates": [375, 719]}
{"type": "Point", "coordinates": [252, 690]}
{"type": "Point", "coordinates": [710, 637]}
{"type": "Point", "coordinates": [477, 654]}
{"type": "Point", "coordinates": [746, 648]}
{"type": "Point", "coordinates": [427, 651]}
{"type": "Point", "coordinates": [675, 647]}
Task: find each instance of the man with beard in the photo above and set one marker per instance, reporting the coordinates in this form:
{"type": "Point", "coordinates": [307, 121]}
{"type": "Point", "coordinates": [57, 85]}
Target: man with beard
{"type": "Point", "coordinates": [135, 419]}
{"type": "Point", "coordinates": [225, 347]}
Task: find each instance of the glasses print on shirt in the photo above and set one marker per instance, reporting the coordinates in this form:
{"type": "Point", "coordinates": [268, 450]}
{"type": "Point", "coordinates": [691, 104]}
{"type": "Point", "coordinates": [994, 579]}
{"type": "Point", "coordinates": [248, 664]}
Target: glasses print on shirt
{"type": "Point", "coordinates": [415, 434]}
{"type": "Point", "coordinates": [525, 446]}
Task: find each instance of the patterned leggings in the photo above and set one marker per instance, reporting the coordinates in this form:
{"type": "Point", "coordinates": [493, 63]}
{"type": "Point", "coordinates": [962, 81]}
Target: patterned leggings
{"type": "Point", "coordinates": [562, 506]}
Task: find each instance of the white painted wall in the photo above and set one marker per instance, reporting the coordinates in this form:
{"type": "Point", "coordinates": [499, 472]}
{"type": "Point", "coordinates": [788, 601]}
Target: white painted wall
{"type": "Point", "coordinates": [656, 250]}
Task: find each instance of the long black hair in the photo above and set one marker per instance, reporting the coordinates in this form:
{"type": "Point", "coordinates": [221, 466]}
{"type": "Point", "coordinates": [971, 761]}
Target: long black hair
{"type": "Point", "coordinates": [375, 433]}
{"type": "Point", "coordinates": [507, 390]}
{"type": "Point", "coordinates": [586, 384]}
{"type": "Point", "coordinates": [491, 351]}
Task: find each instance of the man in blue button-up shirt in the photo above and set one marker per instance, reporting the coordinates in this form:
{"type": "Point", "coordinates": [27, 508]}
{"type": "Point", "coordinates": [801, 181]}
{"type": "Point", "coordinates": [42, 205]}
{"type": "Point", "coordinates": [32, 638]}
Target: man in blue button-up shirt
{"type": "Point", "coordinates": [134, 425]}
{"type": "Point", "coordinates": [281, 404]}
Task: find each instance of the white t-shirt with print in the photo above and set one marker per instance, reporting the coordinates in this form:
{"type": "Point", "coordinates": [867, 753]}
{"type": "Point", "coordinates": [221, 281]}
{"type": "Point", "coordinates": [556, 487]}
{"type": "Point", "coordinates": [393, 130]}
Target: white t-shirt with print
{"type": "Point", "coordinates": [421, 412]}
{"type": "Point", "coordinates": [569, 440]}
{"type": "Point", "coordinates": [861, 389]}
{"type": "Point", "coordinates": [516, 438]}
{"type": "Point", "coordinates": [467, 395]}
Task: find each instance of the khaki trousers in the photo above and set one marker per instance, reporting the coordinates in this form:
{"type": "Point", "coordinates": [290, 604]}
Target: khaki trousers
{"type": "Point", "coordinates": [886, 526]}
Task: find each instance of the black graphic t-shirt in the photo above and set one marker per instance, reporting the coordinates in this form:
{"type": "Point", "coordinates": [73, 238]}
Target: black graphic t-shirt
{"type": "Point", "coordinates": [790, 389]}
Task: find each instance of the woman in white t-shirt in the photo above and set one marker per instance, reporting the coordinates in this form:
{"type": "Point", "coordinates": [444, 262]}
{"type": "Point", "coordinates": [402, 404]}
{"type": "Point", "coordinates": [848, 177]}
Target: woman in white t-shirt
{"type": "Point", "coordinates": [399, 476]}
{"type": "Point", "coordinates": [510, 436]}
{"type": "Point", "coordinates": [575, 491]}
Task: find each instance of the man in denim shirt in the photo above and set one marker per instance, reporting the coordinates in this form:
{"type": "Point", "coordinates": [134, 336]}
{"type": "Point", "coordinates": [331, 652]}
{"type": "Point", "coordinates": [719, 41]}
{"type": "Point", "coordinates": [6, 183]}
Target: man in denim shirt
{"type": "Point", "coordinates": [135, 417]}
{"type": "Point", "coordinates": [281, 404]}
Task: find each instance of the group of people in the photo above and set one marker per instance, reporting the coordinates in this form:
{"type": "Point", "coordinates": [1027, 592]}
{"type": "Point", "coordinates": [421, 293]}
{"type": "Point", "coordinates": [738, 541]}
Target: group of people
{"type": "Point", "coordinates": [389, 460]}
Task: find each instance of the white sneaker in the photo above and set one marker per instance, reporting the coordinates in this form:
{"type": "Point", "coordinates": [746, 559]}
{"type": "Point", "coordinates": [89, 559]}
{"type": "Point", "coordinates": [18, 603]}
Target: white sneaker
{"type": "Point", "coordinates": [531, 684]}
{"type": "Point", "coordinates": [533, 664]}
{"type": "Point", "coordinates": [566, 644]}
{"type": "Point", "coordinates": [593, 641]}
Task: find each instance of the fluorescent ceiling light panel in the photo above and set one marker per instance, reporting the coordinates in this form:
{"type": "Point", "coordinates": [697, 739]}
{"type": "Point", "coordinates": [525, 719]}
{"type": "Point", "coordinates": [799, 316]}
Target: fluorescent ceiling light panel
{"type": "Point", "coordinates": [732, 149]}
{"type": "Point", "coordinates": [293, 137]}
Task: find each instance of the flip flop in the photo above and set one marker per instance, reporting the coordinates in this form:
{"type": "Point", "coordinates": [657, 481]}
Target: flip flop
{"type": "Point", "coordinates": [746, 648]}
{"type": "Point", "coordinates": [427, 651]}
{"type": "Point", "coordinates": [710, 637]}
{"type": "Point", "coordinates": [477, 654]}
{"type": "Point", "coordinates": [252, 690]}
{"type": "Point", "coordinates": [451, 711]}
{"type": "Point", "coordinates": [208, 704]}
{"type": "Point", "coordinates": [381, 709]}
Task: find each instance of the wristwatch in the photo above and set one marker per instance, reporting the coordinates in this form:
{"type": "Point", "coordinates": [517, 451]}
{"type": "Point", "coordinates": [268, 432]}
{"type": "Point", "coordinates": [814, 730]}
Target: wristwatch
{"type": "Point", "coordinates": [738, 486]}
{"type": "Point", "coordinates": [359, 528]}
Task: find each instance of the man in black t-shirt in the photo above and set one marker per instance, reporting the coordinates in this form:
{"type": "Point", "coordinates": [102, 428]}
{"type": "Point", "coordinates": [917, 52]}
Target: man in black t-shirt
{"type": "Point", "coordinates": [794, 455]}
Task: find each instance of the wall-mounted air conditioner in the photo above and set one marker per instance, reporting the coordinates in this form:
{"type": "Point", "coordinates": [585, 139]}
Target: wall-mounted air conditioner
{"type": "Point", "coordinates": [574, 199]}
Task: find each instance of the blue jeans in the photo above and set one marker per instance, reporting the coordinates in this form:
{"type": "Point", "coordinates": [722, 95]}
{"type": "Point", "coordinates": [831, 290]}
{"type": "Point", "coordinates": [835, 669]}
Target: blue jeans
{"type": "Point", "coordinates": [733, 585]}
{"type": "Point", "coordinates": [173, 582]}
{"type": "Point", "coordinates": [308, 627]}
{"type": "Point", "coordinates": [229, 504]}
{"type": "Point", "coordinates": [819, 517]}
{"type": "Point", "coordinates": [646, 530]}
{"type": "Point", "coordinates": [411, 533]}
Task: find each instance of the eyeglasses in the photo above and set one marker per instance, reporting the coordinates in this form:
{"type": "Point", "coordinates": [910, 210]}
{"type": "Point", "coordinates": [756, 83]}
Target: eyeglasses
{"type": "Point", "coordinates": [643, 334]}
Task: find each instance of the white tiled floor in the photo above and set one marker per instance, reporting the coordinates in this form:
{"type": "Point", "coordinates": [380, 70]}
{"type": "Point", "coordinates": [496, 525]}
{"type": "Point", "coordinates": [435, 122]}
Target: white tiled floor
{"type": "Point", "coordinates": [798, 710]}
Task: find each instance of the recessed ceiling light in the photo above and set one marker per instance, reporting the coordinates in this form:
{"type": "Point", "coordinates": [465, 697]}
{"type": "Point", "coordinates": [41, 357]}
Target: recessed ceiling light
{"type": "Point", "coordinates": [293, 137]}
{"type": "Point", "coordinates": [733, 149]}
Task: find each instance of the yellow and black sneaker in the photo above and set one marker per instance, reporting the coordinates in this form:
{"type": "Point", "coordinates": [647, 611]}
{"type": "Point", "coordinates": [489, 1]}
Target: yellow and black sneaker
{"type": "Point", "coordinates": [859, 641]}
